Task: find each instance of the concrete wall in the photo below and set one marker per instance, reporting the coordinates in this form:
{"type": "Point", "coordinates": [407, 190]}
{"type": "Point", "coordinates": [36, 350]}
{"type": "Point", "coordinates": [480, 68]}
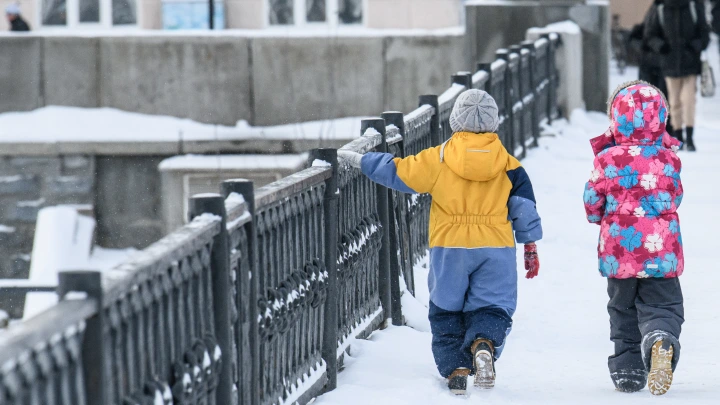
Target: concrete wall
{"type": "Point", "coordinates": [224, 79]}
{"type": "Point", "coordinates": [499, 24]}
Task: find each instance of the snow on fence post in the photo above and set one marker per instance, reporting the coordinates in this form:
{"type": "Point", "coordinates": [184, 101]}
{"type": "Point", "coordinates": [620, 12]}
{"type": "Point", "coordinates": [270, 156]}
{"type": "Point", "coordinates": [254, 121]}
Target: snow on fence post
{"type": "Point", "coordinates": [462, 78]}
{"type": "Point", "coordinates": [432, 100]}
{"type": "Point", "coordinates": [220, 264]}
{"type": "Point", "coordinates": [378, 124]}
{"type": "Point", "coordinates": [94, 350]}
{"type": "Point", "coordinates": [331, 214]}
{"type": "Point", "coordinates": [487, 68]}
{"type": "Point", "coordinates": [394, 216]}
{"type": "Point", "coordinates": [250, 360]}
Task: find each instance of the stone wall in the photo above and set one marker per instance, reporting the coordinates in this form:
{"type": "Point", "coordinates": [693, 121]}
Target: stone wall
{"type": "Point", "coordinates": [223, 79]}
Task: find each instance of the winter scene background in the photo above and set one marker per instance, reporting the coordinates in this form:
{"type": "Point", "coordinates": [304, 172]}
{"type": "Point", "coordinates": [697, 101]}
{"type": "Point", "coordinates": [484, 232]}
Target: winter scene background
{"type": "Point", "coordinates": [119, 123]}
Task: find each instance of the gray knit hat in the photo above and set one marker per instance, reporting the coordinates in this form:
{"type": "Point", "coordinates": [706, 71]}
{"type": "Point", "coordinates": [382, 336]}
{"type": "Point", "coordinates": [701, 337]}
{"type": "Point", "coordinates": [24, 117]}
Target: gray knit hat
{"type": "Point", "coordinates": [474, 111]}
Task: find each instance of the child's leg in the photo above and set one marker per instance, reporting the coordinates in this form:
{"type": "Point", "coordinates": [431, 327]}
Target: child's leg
{"type": "Point", "coordinates": [448, 330]}
{"type": "Point", "coordinates": [660, 313]}
{"type": "Point", "coordinates": [624, 330]}
{"type": "Point", "coordinates": [448, 282]}
{"type": "Point", "coordinates": [491, 298]}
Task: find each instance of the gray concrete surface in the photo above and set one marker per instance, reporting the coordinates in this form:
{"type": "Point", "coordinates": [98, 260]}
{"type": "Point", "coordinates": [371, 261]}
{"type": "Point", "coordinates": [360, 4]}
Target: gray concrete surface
{"type": "Point", "coordinates": [71, 68]}
{"type": "Point", "coordinates": [21, 73]}
{"type": "Point", "coordinates": [296, 79]}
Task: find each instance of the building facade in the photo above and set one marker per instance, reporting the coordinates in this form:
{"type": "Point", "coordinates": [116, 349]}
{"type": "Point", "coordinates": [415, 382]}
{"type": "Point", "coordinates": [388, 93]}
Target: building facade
{"type": "Point", "coordinates": [78, 15]}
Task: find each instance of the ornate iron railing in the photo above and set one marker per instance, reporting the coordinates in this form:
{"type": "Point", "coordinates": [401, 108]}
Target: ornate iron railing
{"type": "Point", "coordinates": [258, 298]}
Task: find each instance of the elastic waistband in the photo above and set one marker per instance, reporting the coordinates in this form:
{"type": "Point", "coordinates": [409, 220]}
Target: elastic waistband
{"type": "Point", "coordinates": [479, 219]}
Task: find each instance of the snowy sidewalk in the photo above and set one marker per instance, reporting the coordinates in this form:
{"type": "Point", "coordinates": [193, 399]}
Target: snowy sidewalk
{"type": "Point", "coordinates": [557, 351]}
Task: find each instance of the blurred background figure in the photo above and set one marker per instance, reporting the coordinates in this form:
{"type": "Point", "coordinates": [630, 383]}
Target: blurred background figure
{"type": "Point", "coordinates": [17, 23]}
{"type": "Point", "coordinates": [679, 32]}
{"type": "Point", "coordinates": [649, 61]}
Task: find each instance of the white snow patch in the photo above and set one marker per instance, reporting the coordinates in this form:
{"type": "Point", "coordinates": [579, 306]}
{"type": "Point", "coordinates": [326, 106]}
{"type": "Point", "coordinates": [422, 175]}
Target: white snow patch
{"type": "Point", "coordinates": [235, 198]}
{"type": "Point", "coordinates": [321, 163]}
{"type": "Point", "coordinates": [6, 229]}
{"type": "Point", "coordinates": [298, 389]}
{"type": "Point", "coordinates": [233, 162]}
{"type": "Point", "coordinates": [364, 323]}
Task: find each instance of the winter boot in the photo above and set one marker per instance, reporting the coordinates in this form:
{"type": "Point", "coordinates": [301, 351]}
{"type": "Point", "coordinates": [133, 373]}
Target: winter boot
{"type": "Point", "coordinates": [661, 373]}
{"type": "Point", "coordinates": [457, 382]}
{"type": "Point", "coordinates": [483, 358]}
{"type": "Point", "coordinates": [678, 134]}
{"type": "Point", "coordinates": [629, 380]}
{"type": "Point", "coordinates": [690, 141]}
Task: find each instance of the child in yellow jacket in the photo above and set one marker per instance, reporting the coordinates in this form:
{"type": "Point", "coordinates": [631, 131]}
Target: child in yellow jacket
{"type": "Point", "coordinates": [480, 195]}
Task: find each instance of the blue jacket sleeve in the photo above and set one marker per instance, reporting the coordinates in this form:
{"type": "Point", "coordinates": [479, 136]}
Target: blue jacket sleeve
{"type": "Point", "coordinates": [522, 209]}
{"type": "Point", "coordinates": [381, 168]}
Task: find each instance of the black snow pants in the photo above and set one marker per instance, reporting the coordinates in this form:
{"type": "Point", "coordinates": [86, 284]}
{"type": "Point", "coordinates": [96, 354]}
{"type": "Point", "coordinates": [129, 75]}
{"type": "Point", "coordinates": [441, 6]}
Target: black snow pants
{"type": "Point", "coordinates": [642, 311]}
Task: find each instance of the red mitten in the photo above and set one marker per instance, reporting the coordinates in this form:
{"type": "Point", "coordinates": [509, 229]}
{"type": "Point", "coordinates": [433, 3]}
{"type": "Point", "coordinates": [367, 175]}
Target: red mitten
{"type": "Point", "coordinates": [532, 263]}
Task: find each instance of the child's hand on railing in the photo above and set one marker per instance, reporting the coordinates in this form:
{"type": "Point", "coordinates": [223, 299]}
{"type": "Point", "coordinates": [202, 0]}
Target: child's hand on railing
{"type": "Point", "coordinates": [352, 158]}
{"type": "Point", "coordinates": [532, 262]}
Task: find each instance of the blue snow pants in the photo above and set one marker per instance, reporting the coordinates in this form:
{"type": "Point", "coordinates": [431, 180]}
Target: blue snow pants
{"type": "Point", "coordinates": [473, 295]}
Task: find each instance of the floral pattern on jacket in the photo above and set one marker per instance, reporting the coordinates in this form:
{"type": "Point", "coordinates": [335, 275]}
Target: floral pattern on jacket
{"type": "Point", "coordinates": [635, 190]}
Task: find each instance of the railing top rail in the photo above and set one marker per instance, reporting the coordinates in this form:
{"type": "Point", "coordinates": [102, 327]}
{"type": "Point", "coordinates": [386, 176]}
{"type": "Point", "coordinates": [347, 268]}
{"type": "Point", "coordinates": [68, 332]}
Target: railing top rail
{"type": "Point", "coordinates": [143, 265]}
{"type": "Point", "coordinates": [291, 185]}
{"type": "Point", "coordinates": [498, 66]}
{"type": "Point", "coordinates": [480, 76]}
{"type": "Point", "coordinates": [365, 143]}
{"type": "Point", "coordinates": [31, 334]}
{"type": "Point", "coordinates": [541, 43]}
{"type": "Point", "coordinates": [418, 113]}
{"type": "Point", "coordinates": [451, 94]}
{"type": "Point", "coordinates": [392, 135]}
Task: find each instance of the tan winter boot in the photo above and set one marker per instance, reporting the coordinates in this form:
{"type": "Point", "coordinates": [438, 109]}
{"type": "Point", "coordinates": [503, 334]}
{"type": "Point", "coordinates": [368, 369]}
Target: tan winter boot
{"type": "Point", "coordinates": [457, 382]}
{"type": "Point", "coordinates": [661, 374]}
{"type": "Point", "coordinates": [483, 358]}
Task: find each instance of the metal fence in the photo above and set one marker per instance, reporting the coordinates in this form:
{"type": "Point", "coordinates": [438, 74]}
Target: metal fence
{"type": "Point", "coordinates": [257, 299]}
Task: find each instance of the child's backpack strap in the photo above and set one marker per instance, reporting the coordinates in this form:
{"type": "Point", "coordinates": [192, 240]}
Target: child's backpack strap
{"type": "Point", "coordinates": [442, 151]}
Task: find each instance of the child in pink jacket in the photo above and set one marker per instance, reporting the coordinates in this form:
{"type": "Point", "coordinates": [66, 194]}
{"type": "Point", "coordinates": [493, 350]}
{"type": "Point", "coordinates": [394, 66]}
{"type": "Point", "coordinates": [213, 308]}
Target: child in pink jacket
{"type": "Point", "coordinates": [633, 194]}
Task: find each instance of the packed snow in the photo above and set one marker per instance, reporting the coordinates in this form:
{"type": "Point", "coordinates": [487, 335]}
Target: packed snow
{"type": "Point", "coordinates": [557, 351]}
{"type": "Point", "coordinates": [55, 124]}
{"type": "Point", "coordinates": [233, 162]}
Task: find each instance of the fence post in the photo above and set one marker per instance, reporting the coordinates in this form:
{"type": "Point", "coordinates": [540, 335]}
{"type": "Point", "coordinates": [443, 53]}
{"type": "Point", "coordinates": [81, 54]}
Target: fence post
{"type": "Point", "coordinates": [383, 208]}
{"type": "Point", "coordinates": [435, 134]}
{"type": "Point", "coordinates": [331, 213]}
{"type": "Point", "coordinates": [552, 81]}
{"type": "Point", "coordinates": [504, 54]}
{"type": "Point", "coordinates": [94, 349]}
{"type": "Point", "coordinates": [462, 78]}
{"type": "Point", "coordinates": [246, 189]}
{"type": "Point", "coordinates": [530, 46]}
{"type": "Point", "coordinates": [397, 119]}
{"type": "Point", "coordinates": [487, 67]}
{"type": "Point", "coordinates": [220, 265]}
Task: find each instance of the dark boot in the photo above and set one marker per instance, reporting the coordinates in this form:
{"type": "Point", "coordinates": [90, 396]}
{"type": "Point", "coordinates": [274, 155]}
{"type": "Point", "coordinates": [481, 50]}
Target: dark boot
{"type": "Point", "coordinates": [484, 361]}
{"type": "Point", "coordinates": [629, 380]}
{"type": "Point", "coordinates": [678, 134]}
{"type": "Point", "coordinates": [457, 382]}
{"type": "Point", "coordinates": [668, 127]}
{"type": "Point", "coordinates": [690, 141]}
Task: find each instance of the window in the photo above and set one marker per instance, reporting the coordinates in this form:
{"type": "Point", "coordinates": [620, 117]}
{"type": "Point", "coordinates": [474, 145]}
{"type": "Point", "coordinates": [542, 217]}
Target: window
{"type": "Point", "coordinates": [91, 13]}
{"type": "Point", "coordinates": [310, 12]}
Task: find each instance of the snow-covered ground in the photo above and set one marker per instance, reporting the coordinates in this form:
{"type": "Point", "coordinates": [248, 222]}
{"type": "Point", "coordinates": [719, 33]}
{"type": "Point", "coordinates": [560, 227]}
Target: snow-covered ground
{"type": "Point", "coordinates": [557, 351]}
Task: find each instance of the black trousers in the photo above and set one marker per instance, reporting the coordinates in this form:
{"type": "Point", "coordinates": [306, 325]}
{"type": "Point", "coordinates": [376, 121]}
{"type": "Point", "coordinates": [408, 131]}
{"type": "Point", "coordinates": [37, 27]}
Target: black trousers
{"type": "Point", "coordinates": [643, 308]}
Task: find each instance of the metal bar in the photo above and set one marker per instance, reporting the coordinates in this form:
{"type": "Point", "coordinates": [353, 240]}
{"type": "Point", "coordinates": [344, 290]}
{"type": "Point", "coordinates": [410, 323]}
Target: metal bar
{"type": "Point", "coordinates": [462, 78]}
{"type": "Point", "coordinates": [220, 265]}
{"type": "Point", "coordinates": [383, 213]}
{"type": "Point", "coordinates": [432, 100]}
{"type": "Point", "coordinates": [331, 213]}
{"type": "Point", "coordinates": [246, 189]}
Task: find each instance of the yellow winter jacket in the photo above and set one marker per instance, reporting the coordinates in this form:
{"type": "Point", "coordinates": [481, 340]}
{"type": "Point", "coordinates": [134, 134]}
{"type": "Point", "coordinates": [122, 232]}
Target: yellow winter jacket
{"type": "Point", "coordinates": [479, 191]}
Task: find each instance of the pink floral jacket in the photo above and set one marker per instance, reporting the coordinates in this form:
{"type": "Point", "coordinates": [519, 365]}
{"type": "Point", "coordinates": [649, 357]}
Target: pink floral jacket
{"type": "Point", "coordinates": [635, 190]}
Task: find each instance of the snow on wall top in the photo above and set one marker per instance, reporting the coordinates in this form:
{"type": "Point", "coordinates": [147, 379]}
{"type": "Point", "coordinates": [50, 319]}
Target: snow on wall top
{"type": "Point", "coordinates": [567, 27]}
{"type": "Point", "coordinates": [233, 162]}
{"type": "Point", "coordinates": [72, 124]}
